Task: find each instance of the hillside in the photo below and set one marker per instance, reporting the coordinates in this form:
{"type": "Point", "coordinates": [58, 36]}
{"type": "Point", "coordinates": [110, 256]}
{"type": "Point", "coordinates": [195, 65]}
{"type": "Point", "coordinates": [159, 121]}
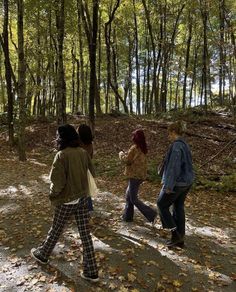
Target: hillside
{"type": "Point", "coordinates": [207, 263]}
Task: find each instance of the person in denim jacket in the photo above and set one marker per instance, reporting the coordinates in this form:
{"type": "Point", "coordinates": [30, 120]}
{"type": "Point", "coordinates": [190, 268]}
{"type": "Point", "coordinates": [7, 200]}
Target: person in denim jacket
{"type": "Point", "coordinates": [177, 178]}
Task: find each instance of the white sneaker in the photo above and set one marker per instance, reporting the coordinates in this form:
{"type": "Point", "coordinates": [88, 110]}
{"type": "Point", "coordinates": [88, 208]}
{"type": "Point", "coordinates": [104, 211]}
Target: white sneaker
{"type": "Point", "coordinates": [93, 279]}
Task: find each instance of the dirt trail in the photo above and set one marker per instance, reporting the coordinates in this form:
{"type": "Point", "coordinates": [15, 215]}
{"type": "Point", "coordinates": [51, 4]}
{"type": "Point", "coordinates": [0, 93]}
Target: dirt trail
{"type": "Point", "coordinates": [131, 256]}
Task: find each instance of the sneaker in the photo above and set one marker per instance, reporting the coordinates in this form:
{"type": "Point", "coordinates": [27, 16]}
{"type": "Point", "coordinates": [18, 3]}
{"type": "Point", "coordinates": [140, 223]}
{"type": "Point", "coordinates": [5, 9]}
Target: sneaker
{"type": "Point", "coordinates": [176, 239]}
{"type": "Point", "coordinates": [38, 257]}
{"type": "Point", "coordinates": [125, 220]}
{"type": "Point", "coordinates": [93, 278]}
{"type": "Point", "coordinates": [180, 244]}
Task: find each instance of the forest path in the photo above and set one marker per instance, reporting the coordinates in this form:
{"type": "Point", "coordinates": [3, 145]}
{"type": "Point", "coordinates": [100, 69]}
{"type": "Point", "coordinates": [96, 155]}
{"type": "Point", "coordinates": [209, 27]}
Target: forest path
{"type": "Point", "coordinates": [131, 256]}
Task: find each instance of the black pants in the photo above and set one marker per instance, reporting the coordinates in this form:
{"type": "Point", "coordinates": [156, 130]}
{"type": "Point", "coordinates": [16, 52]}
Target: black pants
{"type": "Point", "coordinates": [177, 199]}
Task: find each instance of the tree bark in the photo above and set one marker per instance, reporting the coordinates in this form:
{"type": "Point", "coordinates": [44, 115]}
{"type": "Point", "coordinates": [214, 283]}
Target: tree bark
{"type": "Point", "coordinates": [138, 110]}
{"type": "Point", "coordinates": [187, 58]}
{"type": "Point", "coordinates": [8, 77]}
{"type": "Point", "coordinates": [222, 55]}
{"type": "Point", "coordinates": [92, 58]}
{"type": "Point", "coordinates": [21, 80]}
{"type": "Point", "coordinates": [61, 84]}
{"type": "Point", "coordinates": [204, 12]}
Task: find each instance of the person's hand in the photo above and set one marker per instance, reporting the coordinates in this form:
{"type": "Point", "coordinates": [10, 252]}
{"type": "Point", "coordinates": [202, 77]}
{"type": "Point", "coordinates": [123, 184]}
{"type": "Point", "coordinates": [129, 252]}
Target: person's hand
{"type": "Point", "coordinates": [121, 153]}
{"type": "Point", "coordinates": [168, 191]}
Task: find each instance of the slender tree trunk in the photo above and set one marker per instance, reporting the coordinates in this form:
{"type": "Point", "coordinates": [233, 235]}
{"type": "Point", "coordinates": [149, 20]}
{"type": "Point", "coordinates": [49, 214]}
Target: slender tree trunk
{"type": "Point", "coordinates": [51, 72]}
{"type": "Point", "coordinates": [147, 103]}
{"type": "Point", "coordinates": [144, 82]}
{"type": "Point", "coordinates": [21, 80]}
{"type": "Point", "coordinates": [187, 58]}
{"type": "Point", "coordinates": [81, 57]}
{"type": "Point", "coordinates": [221, 50]}
{"type": "Point", "coordinates": [137, 61]}
{"type": "Point", "coordinates": [128, 79]}
{"type": "Point", "coordinates": [37, 106]}
{"type": "Point", "coordinates": [114, 72]}
{"type": "Point", "coordinates": [61, 84]}
{"type": "Point", "coordinates": [3, 106]}
{"type": "Point", "coordinates": [177, 85]}
{"type": "Point", "coordinates": [155, 60]}
{"type": "Point", "coordinates": [77, 105]}
{"type": "Point", "coordinates": [193, 76]}
{"type": "Point", "coordinates": [204, 11]}
{"type": "Point", "coordinates": [91, 29]}
{"type": "Point", "coordinates": [73, 81]}
{"type": "Point", "coordinates": [8, 76]}
{"type": "Point", "coordinates": [92, 57]}
{"type": "Point", "coordinates": [98, 97]}
{"type": "Point", "coordinates": [108, 50]}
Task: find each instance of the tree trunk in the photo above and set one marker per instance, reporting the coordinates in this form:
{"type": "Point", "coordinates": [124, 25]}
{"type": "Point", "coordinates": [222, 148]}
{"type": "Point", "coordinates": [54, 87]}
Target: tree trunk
{"type": "Point", "coordinates": [204, 11]}
{"type": "Point", "coordinates": [73, 81]}
{"type": "Point", "coordinates": [108, 51]}
{"type": "Point", "coordinates": [21, 80]}
{"type": "Point", "coordinates": [98, 83]}
{"type": "Point", "coordinates": [81, 58]}
{"type": "Point", "coordinates": [153, 93]}
{"type": "Point", "coordinates": [222, 55]}
{"type": "Point", "coordinates": [92, 58]}
{"type": "Point", "coordinates": [138, 110]}
{"type": "Point", "coordinates": [177, 85]}
{"type": "Point", "coordinates": [187, 58]}
{"type": "Point", "coordinates": [61, 84]}
{"type": "Point", "coordinates": [193, 76]}
{"type": "Point", "coordinates": [8, 77]}
{"type": "Point", "coordinates": [3, 104]}
{"type": "Point", "coordinates": [147, 102]}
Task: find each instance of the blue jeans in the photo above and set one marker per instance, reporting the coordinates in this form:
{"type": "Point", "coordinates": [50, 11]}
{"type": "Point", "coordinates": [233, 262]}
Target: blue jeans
{"type": "Point", "coordinates": [177, 198]}
{"type": "Point", "coordinates": [133, 200]}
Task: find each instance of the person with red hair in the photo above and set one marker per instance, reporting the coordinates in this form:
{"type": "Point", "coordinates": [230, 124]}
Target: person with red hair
{"type": "Point", "coordinates": [136, 171]}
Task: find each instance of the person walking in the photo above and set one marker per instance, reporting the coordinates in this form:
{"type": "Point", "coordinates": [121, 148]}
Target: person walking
{"type": "Point", "coordinates": [136, 171]}
{"type": "Point", "coordinates": [86, 142]}
{"type": "Point", "coordinates": [68, 194]}
{"type": "Point", "coordinates": [177, 178]}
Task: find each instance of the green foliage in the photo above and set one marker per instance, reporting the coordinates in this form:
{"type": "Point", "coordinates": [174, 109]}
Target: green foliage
{"type": "Point", "coordinates": [152, 171]}
{"type": "Point", "coordinates": [226, 183]}
{"type": "Point", "coordinates": [41, 45]}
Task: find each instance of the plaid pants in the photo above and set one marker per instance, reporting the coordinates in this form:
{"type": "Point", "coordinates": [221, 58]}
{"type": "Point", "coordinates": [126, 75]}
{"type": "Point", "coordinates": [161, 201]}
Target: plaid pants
{"type": "Point", "coordinates": [61, 215]}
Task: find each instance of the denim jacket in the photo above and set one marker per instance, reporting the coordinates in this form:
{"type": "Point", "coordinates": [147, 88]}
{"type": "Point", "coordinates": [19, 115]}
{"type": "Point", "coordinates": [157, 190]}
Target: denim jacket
{"type": "Point", "coordinates": [177, 167]}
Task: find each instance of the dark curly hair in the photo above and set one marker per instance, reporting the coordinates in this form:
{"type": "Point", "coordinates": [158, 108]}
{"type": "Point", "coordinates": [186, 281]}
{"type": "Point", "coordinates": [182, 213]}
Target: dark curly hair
{"type": "Point", "coordinates": [85, 134]}
{"type": "Point", "coordinates": [66, 137]}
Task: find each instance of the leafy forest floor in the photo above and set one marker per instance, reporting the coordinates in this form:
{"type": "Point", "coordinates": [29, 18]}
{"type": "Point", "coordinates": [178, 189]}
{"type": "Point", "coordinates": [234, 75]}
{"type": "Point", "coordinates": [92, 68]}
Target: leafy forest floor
{"type": "Point", "coordinates": [131, 256]}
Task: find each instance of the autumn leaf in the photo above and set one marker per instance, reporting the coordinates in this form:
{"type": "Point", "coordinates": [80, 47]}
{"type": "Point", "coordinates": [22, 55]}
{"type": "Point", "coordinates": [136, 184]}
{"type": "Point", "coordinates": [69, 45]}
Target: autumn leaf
{"type": "Point", "coordinates": [177, 283]}
{"type": "Point", "coordinates": [131, 277]}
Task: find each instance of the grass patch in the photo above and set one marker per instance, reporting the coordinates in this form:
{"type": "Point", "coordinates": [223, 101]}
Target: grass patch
{"type": "Point", "coordinates": [226, 183]}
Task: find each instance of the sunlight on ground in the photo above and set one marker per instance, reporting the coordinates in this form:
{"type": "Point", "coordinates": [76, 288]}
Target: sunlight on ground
{"type": "Point", "coordinates": [208, 231]}
{"type": "Point", "coordinates": [33, 161]}
{"type": "Point", "coordinates": [137, 235]}
{"type": "Point", "coordinates": [45, 178]}
{"type": "Point", "coordinates": [178, 259]}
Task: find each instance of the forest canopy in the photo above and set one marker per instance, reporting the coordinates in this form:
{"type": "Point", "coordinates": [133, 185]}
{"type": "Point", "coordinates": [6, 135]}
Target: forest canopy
{"type": "Point", "coordinates": [129, 56]}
